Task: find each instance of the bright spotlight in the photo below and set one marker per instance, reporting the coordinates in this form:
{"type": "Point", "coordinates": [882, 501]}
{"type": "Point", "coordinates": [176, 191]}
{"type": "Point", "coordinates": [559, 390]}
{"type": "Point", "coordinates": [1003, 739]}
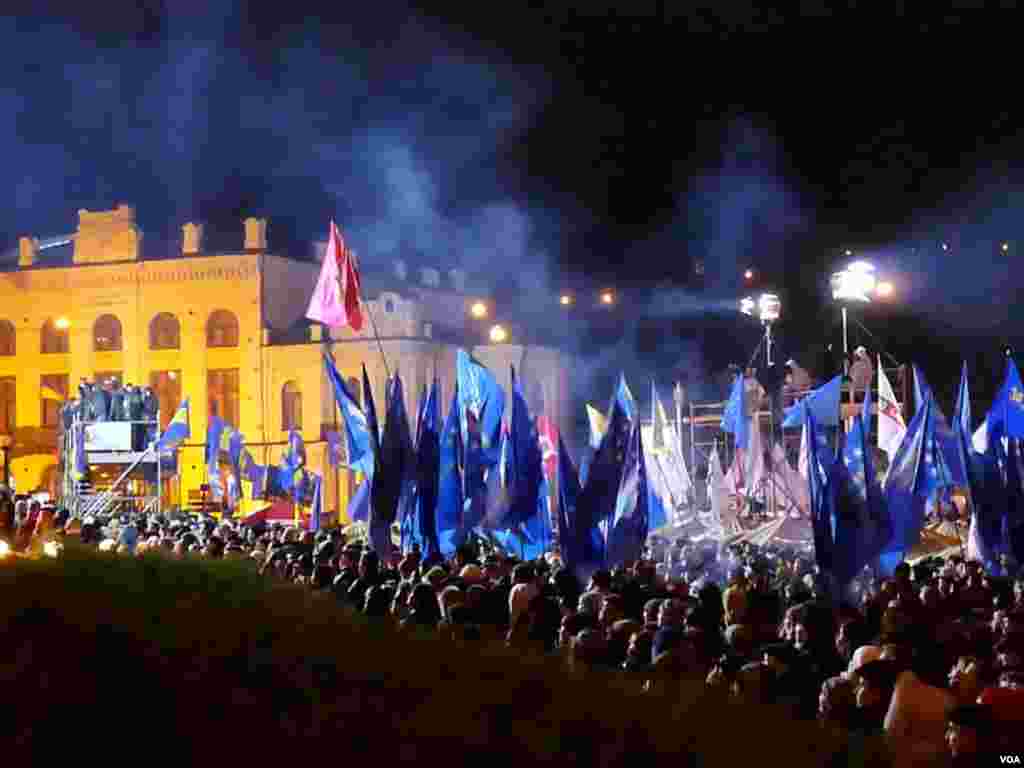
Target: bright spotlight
{"type": "Point", "coordinates": [62, 324]}
{"type": "Point", "coordinates": [849, 252]}
{"type": "Point", "coordinates": [607, 297]}
{"type": "Point", "coordinates": [855, 283]}
{"type": "Point", "coordinates": [884, 289]}
{"type": "Point", "coordinates": [749, 274]}
{"type": "Point", "coordinates": [747, 306]}
{"type": "Point", "coordinates": [565, 300]}
{"type": "Point", "coordinates": [769, 307]}
{"type": "Point", "coordinates": [5, 549]}
{"type": "Point", "coordinates": [1006, 247]}
{"type": "Point", "coordinates": [478, 310]}
{"type": "Point", "coordinates": [945, 246]}
{"type": "Point", "coordinates": [498, 334]}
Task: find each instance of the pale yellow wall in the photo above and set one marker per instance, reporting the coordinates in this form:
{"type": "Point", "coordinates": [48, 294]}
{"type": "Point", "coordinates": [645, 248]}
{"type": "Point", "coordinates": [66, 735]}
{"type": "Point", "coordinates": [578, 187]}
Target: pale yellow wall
{"type": "Point", "coordinates": [135, 292]}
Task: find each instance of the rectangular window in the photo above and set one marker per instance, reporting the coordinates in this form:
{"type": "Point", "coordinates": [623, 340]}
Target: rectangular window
{"type": "Point", "coordinates": [222, 394]}
{"type": "Point", "coordinates": [53, 393]}
{"type": "Point", "coordinates": [8, 403]}
{"type": "Point", "coordinates": [166, 385]}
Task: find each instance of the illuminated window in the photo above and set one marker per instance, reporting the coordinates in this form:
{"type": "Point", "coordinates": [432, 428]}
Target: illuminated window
{"type": "Point", "coordinates": [291, 406]}
{"type": "Point", "coordinates": [164, 332]}
{"type": "Point", "coordinates": [166, 385]}
{"type": "Point", "coordinates": [106, 334]}
{"type": "Point", "coordinates": [222, 329]}
{"type": "Point", "coordinates": [8, 402]}
{"type": "Point", "coordinates": [54, 390]}
{"type": "Point", "coordinates": [53, 341]}
{"type": "Point", "coordinates": [222, 394]}
{"type": "Point", "coordinates": [8, 344]}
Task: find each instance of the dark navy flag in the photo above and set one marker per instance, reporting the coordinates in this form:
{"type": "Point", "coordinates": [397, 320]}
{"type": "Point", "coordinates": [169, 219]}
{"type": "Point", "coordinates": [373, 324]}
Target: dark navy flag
{"type": "Point", "coordinates": [316, 505]}
{"type": "Point", "coordinates": [525, 467]}
{"type": "Point", "coordinates": [907, 487]}
{"type": "Point", "coordinates": [962, 421]}
{"type": "Point", "coordinates": [942, 450]}
{"type": "Point", "coordinates": [987, 499]}
{"type": "Point", "coordinates": [627, 533]}
{"type": "Point", "coordinates": [449, 487]}
{"type": "Point", "coordinates": [394, 473]}
{"type": "Point", "coordinates": [596, 505]}
{"type": "Point", "coordinates": [214, 436]}
{"type": "Point", "coordinates": [862, 524]}
{"type": "Point", "coordinates": [568, 496]}
{"type": "Point", "coordinates": [866, 412]}
{"type": "Point", "coordinates": [734, 418]}
{"type": "Point", "coordinates": [421, 529]}
{"type": "Point", "coordinates": [823, 402]}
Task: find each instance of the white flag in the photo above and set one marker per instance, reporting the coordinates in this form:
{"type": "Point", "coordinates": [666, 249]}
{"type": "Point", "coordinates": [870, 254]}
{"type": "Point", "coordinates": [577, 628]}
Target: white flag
{"type": "Point", "coordinates": [891, 427]}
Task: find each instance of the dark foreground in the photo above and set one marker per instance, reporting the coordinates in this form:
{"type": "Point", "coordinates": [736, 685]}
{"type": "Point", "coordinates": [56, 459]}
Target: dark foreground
{"type": "Point", "coordinates": [107, 657]}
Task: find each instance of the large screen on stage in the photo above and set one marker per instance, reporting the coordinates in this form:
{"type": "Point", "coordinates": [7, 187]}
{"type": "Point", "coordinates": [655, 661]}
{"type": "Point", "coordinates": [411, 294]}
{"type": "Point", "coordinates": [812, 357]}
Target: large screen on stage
{"type": "Point", "coordinates": [108, 436]}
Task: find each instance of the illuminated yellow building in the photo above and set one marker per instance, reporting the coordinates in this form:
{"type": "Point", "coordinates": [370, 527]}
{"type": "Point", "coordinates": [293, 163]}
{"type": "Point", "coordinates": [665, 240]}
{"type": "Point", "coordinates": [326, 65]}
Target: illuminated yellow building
{"type": "Point", "coordinates": [228, 331]}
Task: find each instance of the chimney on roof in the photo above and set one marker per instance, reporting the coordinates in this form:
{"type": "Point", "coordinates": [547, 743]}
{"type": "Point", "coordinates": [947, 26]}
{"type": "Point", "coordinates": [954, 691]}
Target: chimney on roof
{"type": "Point", "coordinates": [430, 277]}
{"type": "Point", "coordinates": [458, 278]}
{"type": "Point", "coordinates": [192, 239]}
{"type": "Point", "coordinates": [255, 234]}
{"type": "Point", "coordinates": [28, 250]}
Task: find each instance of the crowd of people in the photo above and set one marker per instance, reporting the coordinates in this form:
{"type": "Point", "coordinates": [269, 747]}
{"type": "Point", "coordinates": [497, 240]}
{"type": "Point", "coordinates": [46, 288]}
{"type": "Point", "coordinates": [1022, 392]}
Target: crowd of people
{"type": "Point", "coordinates": [931, 660]}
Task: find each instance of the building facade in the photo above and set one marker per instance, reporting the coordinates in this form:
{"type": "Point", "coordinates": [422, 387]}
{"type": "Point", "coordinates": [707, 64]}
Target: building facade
{"type": "Point", "coordinates": [227, 331]}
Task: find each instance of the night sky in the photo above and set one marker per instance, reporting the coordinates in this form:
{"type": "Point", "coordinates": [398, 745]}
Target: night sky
{"type": "Point", "coordinates": [559, 148]}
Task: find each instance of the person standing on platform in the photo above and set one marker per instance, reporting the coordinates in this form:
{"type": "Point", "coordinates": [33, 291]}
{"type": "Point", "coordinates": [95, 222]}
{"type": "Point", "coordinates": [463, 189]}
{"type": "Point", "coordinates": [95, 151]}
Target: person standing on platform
{"type": "Point", "coordinates": [861, 373]}
{"type": "Point", "coordinates": [150, 412]}
{"type": "Point", "coordinates": [116, 402]}
{"type": "Point", "coordinates": [100, 403]}
{"type": "Point", "coordinates": [133, 398]}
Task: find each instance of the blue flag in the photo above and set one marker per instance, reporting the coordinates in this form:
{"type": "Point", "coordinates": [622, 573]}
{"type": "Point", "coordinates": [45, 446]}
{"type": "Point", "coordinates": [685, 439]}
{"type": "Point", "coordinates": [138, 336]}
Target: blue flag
{"type": "Point", "coordinates": [942, 452]}
{"type": "Point", "coordinates": [359, 504]}
{"type": "Point", "coordinates": [177, 431]}
{"type": "Point", "coordinates": [1013, 520]}
{"type": "Point", "coordinates": [482, 398]}
{"type": "Point", "coordinates": [357, 431]}
{"type": "Point", "coordinates": [334, 448]}
{"type": "Point", "coordinates": [624, 399]}
{"type": "Point", "coordinates": [823, 401]}
{"type": "Point", "coordinates": [907, 488]}
{"type": "Point", "coordinates": [987, 498]}
{"type": "Point", "coordinates": [866, 412]}
{"type": "Point", "coordinates": [214, 435]}
{"type": "Point", "coordinates": [962, 420]}
{"type": "Point", "coordinates": [627, 533]}
{"type": "Point", "coordinates": [1006, 417]}
{"type": "Point", "coordinates": [449, 489]}
{"type": "Point", "coordinates": [257, 475]}
{"type": "Point", "coordinates": [525, 470]}
{"type": "Point", "coordinates": [734, 418]}
{"type": "Point", "coordinates": [819, 465]}
{"type": "Point", "coordinates": [316, 507]}
{"type": "Point", "coordinates": [862, 525]}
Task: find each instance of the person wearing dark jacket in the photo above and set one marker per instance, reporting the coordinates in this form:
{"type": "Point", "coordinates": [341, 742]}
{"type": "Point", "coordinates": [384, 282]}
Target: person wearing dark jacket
{"type": "Point", "coordinates": [100, 404]}
{"type": "Point", "coordinates": [133, 405]}
{"type": "Point", "coordinates": [116, 402]}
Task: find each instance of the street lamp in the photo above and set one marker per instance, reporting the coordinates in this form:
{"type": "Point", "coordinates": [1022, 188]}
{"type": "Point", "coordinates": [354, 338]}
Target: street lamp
{"type": "Point", "coordinates": [62, 324]}
{"type": "Point", "coordinates": [767, 308]}
{"type": "Point", "coordinates": [856, 283]}
{"type": "Point", "coordinates": [565, 300]}
{"type": "Point", "coordinates": [498, 334]}
{"type": "Point", "coordinates": [478, 310]}
{"type": "Point", "coordinates": [607, 298]}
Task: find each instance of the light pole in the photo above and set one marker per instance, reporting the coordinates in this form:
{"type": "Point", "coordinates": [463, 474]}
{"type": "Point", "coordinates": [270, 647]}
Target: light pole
{"type": "Point", "coordinates": [767, 308]}
{"type": "Point", "coordinates": [856, 283]}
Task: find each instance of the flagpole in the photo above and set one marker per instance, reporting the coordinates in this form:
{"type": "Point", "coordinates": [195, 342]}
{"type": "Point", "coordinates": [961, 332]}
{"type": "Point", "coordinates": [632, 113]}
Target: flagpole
{"type": "Point", "coordinates": [373, 323]}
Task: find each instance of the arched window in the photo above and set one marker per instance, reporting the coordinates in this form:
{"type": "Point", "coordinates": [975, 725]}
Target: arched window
{"type": "Point", "coordinates": [54, 340]}
{"type": "Point", "coordinates": [291, 406]}
{"type": "Point", "coordinates": [355, 388]}
{"type": "Point", "coordinates": [7, 339]}
{"type": "Point", "coordinates": [164, 332]}
{"type": "Point", "coordinates": [222, 329]}
{"type": "Point", "coordinates": [106, 334]}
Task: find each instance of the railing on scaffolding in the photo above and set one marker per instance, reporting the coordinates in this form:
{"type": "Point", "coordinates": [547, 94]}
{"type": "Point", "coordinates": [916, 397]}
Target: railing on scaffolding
{"type": "Point", "coordinates": [101, 502]}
